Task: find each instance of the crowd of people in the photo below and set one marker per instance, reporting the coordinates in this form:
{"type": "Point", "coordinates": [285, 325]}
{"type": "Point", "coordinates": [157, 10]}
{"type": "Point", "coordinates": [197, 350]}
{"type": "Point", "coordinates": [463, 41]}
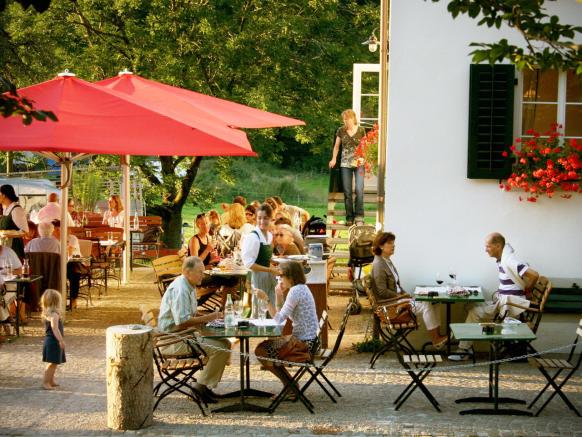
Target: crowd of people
{"type": "Point", "coordinates": [39, 233]}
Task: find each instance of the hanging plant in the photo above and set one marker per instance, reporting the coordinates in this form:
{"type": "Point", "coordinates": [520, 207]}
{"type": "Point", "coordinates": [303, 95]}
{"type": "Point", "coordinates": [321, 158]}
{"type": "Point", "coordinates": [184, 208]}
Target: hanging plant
{"type": "Point", "coordinates": [543, 165]}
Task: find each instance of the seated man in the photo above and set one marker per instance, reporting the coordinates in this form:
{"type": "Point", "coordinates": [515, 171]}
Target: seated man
{"type": "Point", "coordinates": [178, 312]}
{"type": "Point", "coordinates": [45, 242]}
{"type": "Point", "coordinates": [516, 279]}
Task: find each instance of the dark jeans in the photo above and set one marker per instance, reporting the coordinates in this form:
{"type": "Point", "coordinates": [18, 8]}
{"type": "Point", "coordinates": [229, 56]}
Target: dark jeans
{"type": "Point", "coordinates": [348, 175]}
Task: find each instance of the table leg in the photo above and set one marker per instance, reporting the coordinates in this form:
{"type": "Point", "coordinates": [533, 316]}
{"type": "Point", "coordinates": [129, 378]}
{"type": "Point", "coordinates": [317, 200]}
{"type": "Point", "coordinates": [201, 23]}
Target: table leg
{"type": "Point", "coordinates": [494, 394]}
{"type": "Point", "coordinates": [245, 390]}
{"type": "Point", "coordinates": [448, 310]}
{"type": "Point", "coordinates": [17, 314]}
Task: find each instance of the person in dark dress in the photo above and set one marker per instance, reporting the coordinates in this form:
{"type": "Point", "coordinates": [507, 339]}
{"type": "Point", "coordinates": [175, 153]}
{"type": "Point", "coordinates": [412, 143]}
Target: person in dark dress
{"type": "Point", "coordinates": [53, 352]}
{"type": "Point", "coordinates": [201, 245]}
{"type": "Point", "coordinates": [13, 218]}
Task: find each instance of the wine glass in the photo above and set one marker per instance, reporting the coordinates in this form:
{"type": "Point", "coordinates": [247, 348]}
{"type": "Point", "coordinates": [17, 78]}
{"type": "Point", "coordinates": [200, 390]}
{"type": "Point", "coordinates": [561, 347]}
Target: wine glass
{"type": "Point", "coordinates": [238, 308]}
{"type": "Point", "coordinates": [439, 279]}
{"type": "Point", "coordinates": [262, 309]}
{"type": "Point", "coordinates": [453, 276]}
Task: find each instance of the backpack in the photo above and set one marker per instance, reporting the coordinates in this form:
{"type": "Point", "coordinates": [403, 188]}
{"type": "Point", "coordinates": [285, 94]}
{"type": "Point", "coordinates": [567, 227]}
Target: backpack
{"type": "Point", "coordinates": [314, 226]}
{"type": "Point", "coordinates": [361, 239]}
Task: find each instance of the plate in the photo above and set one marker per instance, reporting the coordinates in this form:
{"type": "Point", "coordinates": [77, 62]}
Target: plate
{"type": "Point", "coordinates": [299, 257]}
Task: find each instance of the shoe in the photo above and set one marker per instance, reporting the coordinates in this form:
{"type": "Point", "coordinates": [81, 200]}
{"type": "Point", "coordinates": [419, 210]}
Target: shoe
{"type": "Point", "coordinates": [461, 355]}
{"type": "Point", "coordinates": [441, 344]}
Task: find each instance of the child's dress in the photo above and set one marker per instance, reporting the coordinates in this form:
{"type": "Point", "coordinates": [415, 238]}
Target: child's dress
{"type": "Point", "coordinates": [52, 352]}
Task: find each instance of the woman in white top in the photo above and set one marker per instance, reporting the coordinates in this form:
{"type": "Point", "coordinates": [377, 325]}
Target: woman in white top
{"type": "Point", "coordinates": [257, 251]}
{"type": "Point", "coordinates": [113, 217]}
{"type": "Point", "coordinates": [9, 257]}
{"type": "Point", "coordinates": [13, 217]}
{"type": "Point", "coordinates": [293, 301]}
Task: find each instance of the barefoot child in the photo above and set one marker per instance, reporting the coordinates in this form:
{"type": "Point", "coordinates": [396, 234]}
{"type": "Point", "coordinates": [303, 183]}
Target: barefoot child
{"type": "Point", "coordinates": [54, 342]}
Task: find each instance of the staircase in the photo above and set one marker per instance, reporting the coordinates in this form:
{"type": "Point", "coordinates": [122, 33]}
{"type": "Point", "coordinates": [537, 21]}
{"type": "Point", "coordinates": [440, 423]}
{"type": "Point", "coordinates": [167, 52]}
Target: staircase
{"type": "Point", "coordinates": [337, 233]}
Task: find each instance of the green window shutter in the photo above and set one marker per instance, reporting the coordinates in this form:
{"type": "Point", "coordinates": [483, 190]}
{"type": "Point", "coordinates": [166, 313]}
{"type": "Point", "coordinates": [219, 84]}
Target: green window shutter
{"type": "Point", "coordinates": [490, 120]}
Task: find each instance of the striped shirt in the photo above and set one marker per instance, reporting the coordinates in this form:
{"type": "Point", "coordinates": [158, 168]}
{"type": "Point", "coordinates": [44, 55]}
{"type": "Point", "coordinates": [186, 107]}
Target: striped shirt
{"type": "Point", "coordinates": [178, 304]}
{"type": "Point", "coordinates": [506, 284]}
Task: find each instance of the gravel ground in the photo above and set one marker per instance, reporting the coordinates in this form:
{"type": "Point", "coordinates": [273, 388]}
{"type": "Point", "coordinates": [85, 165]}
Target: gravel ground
{"type": "Point", "coordinates": [79, 406]}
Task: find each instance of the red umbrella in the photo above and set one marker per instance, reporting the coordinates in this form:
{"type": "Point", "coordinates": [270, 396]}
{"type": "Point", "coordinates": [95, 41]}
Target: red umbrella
{"type": "Point", "coordinates": [94, 119]}
{"type": "Point", "coordinates": [166, 96]}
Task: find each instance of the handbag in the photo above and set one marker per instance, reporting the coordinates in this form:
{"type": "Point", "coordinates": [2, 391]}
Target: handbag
{"type": "Point", "coordinates": [294, 350]}
{"type": "Point", "coordinates": [398, 313]}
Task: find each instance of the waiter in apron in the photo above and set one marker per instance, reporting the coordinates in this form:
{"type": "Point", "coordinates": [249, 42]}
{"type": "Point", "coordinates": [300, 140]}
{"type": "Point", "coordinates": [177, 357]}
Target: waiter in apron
{"type": "Point", "coordinates": [257, 251]}
{"type": "Point", "coordinates": [13, 218]}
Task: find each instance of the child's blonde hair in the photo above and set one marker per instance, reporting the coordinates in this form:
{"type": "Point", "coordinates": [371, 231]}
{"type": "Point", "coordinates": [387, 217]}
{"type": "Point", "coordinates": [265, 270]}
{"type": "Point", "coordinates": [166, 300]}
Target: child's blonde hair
{"type": "Point", "coordinates": [50, 302]}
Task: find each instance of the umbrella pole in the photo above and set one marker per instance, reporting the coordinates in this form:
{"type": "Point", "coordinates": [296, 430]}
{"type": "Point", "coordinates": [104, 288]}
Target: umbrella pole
{"type": "Point", "coordinates": [66, 168]}
{"type": "Point", "coordinates": [126, 225]}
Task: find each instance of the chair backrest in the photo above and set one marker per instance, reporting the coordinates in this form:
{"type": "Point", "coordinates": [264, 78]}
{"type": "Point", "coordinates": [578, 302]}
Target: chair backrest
{"type": "Point", "coordinates": [367, 283]}
{"type": "Point", "coordinates": [149, 315]}
{"type": "Point", "coordinates": [49, 266]}
{"type": "Point", "coordinates": [167, 266]}
{"type": "Point", "coordinates": [538, 299]}
{"type": "Point", "coordinates": [341, 332]}
{"type": "Point", "coordinates": [145, 221]}
{"type": "Point", "coordinates": [86, 247]}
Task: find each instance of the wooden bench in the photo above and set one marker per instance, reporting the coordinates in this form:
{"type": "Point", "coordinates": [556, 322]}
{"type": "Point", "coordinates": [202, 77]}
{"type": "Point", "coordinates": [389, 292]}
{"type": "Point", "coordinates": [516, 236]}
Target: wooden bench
{"type": "Point", "coordinates": [166, 269]}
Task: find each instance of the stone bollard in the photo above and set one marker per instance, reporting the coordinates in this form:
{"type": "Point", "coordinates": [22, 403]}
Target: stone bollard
{"type": "Point", "coordinates": [130, 377]}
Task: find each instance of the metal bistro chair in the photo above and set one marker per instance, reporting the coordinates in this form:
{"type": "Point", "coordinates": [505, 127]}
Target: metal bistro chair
{"type": "Point", "coordinates": [177, 371]}
{"type": "Point", "coordinates": [393, 334]}
{"type": "Point", "coordinates": [327, 355]}
{"type": "Point", "coordinates": [418, 368]}
{"type": "Point", "coordinates": [545, 365]}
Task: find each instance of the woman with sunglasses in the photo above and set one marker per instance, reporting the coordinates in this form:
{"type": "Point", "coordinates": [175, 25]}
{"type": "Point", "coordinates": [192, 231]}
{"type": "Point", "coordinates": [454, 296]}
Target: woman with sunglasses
{"type": "Point", "coordinates": [284, 244]}
{"type": "Point", "coordinates": [293, 301]}
{"type": "Point", "coordinates": [257, 251]}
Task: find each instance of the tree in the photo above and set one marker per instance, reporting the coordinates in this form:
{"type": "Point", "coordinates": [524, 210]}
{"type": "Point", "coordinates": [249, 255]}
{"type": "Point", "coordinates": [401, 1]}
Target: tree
{"type": "Point", "coordinates": [549, 43]}
{"type": "Point", "coordinates": [293, 58]}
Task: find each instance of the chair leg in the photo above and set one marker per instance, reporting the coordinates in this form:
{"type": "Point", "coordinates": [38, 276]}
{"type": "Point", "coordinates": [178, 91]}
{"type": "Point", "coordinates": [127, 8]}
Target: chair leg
{"type": "Point", "coordinates": [417, 382]}
{"type": "Point", "coordinates": [291, 385]}
{"type": "Point", "coordinates": [314, 377]}
{"type": "Point", "coordinates": [557, 390]}
{"type": "Point", "coordinates": [539, 395]}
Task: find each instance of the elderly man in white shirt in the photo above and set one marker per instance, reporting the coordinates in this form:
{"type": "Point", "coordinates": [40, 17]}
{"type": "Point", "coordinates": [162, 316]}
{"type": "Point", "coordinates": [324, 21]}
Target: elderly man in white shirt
{"type": "Point", "coordinates": [46, 242]}
{"type": "Point", "coordinates": [52, 211]}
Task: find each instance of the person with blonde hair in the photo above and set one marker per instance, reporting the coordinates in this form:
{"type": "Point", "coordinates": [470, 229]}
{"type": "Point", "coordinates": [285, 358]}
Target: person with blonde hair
{"type": "Point", "coordinates": [53, 352]}
{"type": "Point", "coordinates": [113, 217]}
{"type": "Point", "coordinates": [351, 167]}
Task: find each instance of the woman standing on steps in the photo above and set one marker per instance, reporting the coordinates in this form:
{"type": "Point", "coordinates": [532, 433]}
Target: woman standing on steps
{"type": "Point", "coordinates": [351, 168]}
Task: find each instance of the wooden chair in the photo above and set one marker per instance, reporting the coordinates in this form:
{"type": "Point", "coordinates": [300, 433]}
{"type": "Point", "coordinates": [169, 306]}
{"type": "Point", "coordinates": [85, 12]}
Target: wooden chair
{"type": "Point", "coordinates": [177, 371]}
{"type": "Point", "coordinates": [547, 365]}
{"type": "Point", "coordinates": [393, 335]}
{"type": "Point", "coordinates": [166, 269]}
{"type": "Point", "coordinates": [532, 315]}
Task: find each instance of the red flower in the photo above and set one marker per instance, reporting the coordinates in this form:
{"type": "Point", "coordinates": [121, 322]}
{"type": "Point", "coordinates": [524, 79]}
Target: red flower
{"type": "Point", "coordinates": [504, 154]}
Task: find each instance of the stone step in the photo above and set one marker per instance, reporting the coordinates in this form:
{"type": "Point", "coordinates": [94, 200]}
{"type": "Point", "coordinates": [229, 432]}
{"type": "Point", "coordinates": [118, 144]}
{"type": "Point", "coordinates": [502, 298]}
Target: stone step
{"type": "Point", "coordinates": [339, 197]}
{"type": "Point", "coordinates": [340, 284]}
{"type": "Point", "coordinates": [342, 213]}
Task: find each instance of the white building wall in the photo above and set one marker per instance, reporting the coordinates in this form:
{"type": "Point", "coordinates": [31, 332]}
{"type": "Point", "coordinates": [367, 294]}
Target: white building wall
{"type": "Point", "coordinates": [439, 216]}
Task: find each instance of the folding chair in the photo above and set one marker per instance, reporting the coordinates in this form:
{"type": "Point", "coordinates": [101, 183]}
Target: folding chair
{"type": "Point", "coordinates": [166, 269]}
{"type": "Point", "coordinates": [393, 334]}
{"type": "Point", "coordinates": [327, 355]}
{"type": "Point", "coordinates": [568, 366]}
{"type": "Point", "coordinates": [177, 371]}
{"type": "Point", "coordinates": [418, 368]}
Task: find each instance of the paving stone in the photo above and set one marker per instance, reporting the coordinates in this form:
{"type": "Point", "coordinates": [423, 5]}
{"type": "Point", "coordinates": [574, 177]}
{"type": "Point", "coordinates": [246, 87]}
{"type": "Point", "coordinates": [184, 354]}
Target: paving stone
{"type": "Point", "coordinates": [79, 406]}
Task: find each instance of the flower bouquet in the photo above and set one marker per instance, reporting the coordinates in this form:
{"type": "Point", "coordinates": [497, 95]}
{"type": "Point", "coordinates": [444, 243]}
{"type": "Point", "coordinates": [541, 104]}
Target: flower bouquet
{"type": "Point", "coordinates": [367, 151]}
{"type": "Point", "coordinates": [543, 165]}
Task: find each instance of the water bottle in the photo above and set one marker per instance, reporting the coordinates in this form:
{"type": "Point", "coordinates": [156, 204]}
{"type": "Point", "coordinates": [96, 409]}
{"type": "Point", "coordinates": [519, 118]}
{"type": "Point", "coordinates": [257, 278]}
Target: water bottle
{"type": "Point", "coordinates": [229, 321]}
{"type": "Point", "coordinates": [255, 305]}
{"type": "Point", "coordinates": [25, 269]}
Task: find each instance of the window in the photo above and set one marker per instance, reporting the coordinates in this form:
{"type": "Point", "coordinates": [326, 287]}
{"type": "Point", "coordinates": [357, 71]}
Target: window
{"type": "Point", "coordinates": [549, 97]}
{"type": "Point", "coordinates": [366, 94]}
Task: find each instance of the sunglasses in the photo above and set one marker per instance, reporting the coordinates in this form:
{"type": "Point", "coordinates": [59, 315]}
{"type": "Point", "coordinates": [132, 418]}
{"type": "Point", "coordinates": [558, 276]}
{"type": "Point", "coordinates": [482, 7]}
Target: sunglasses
{"type": "Point", "coordinates": [199, 216]}
{"type": "Point", "coordinates": [249, 214]}
{"type": "Point", "coordinates": [279, 235]}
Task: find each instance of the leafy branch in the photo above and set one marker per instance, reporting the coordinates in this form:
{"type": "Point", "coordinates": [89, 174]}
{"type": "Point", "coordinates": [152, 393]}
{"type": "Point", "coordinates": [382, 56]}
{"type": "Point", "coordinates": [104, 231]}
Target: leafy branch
{"type": "Point", "coordinates": [549, 43]}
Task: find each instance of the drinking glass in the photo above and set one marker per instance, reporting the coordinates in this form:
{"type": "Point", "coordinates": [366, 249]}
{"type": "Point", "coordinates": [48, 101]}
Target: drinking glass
{"type": "Point", "coordinates": [439, 279]}
{"type": "Point", "coordinates": [453, 276]}
{"type": "Point", "coordinates": [238, 308]}
{"type": "Point", "coordinates": [262, 309]}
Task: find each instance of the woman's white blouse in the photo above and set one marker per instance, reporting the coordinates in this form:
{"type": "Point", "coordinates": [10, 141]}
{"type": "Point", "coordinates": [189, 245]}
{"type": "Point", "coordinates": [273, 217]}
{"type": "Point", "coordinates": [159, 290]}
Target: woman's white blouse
{"type": "Point", "coordinates": [300, 308]}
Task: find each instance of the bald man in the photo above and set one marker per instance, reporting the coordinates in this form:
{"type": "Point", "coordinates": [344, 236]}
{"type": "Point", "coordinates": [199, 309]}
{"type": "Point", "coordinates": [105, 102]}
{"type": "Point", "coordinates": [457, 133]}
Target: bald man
{"type": "Point", "coordinates": [52, 211]}
{"type": "Point", "coordinates": [516, 279]}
